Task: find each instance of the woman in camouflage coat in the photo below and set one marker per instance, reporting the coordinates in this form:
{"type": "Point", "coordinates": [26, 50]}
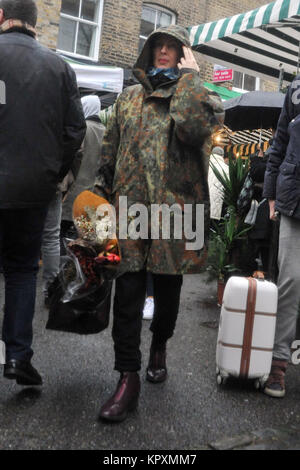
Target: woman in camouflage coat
{"type": "Point", "coordinates": [155, 151]}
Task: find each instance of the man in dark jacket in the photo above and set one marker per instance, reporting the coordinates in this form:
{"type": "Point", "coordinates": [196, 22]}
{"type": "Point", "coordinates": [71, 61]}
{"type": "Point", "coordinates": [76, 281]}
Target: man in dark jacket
{"type": "Point", "coordinates": [282, 188]}
{"type": "Point", "coordinates": [42, 126]}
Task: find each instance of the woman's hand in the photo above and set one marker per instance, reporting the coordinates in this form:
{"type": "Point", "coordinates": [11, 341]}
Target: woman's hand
{"type": "Point", "coordinates": [188, 61]}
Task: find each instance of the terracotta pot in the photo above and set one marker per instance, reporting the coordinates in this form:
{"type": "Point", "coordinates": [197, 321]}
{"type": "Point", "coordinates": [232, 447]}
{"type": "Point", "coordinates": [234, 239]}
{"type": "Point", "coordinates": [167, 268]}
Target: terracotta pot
{"type": "Point", "coordinates": [220, 292]}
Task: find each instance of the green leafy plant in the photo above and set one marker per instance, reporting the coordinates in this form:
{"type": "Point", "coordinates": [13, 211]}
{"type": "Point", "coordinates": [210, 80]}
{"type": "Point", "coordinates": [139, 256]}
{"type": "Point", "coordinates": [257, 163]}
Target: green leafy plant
{"type": "Point", "coordinates": [224, 236]}
{"type": "Point", "coordinates": [222, 244]}
{"type": "Point", "coordinates": [233, 183]}
{"type": "Point", "coordinates": [217, 266]}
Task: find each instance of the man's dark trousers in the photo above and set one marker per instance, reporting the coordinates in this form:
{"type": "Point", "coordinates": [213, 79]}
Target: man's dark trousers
{"type": "Point", "coordinates": [128, 313]}
{"type": "Point", "coordinates": [20, 243]}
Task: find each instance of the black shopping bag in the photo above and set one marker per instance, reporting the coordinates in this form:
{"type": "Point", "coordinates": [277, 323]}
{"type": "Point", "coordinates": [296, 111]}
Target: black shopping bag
{"type": "Point", "coordinates": [87, 313]}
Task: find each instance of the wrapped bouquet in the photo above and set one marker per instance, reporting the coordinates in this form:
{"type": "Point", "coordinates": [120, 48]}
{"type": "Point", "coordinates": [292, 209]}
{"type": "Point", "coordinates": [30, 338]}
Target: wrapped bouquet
{"type": "Point", "coordinates": [80, 294]}
{"type": "Point", "coordinates": [95, 255]}
{"type": "Point", "coordinates": [94, 220]}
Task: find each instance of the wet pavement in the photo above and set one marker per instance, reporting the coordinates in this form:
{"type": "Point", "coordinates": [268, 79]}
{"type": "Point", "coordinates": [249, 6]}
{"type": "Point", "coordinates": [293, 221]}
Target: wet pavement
{"type": "Point", "coordinates": [187, 412]}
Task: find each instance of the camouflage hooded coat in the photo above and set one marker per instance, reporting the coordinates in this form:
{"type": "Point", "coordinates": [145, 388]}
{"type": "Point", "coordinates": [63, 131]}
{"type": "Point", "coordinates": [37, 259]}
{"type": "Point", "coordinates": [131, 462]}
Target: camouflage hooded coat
{"type": "Point", "coordinates": [156, 151]}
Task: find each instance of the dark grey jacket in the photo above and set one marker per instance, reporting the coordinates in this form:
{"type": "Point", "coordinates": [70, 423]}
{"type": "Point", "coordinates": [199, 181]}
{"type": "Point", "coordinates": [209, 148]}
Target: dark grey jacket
{"type": "Point", "coordinates": [282, 178]}
{"type": "Point", "coordinates": [91, 154]}
{"type": "Point", "coordinates": [42, 123]}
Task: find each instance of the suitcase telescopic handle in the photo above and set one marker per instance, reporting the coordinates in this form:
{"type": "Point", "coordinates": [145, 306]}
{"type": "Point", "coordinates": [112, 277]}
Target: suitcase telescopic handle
{"type": "Point", "coordinates": [248, 328]}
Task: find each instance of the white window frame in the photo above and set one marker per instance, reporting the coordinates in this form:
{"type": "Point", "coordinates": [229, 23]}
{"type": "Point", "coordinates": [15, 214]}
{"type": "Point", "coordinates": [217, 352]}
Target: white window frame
{"type": "Point", "coordinates": [157, 8]}
{"type": "Point", "coordinates": [242, 90]}
{"type": "Point", "coordinates": [97, 24]}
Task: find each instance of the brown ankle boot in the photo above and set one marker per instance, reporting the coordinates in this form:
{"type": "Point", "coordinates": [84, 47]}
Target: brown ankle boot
{"type": "Point", "coordinates": [124, 399]}
{"type": "Point", "coordinates": [157, 369]}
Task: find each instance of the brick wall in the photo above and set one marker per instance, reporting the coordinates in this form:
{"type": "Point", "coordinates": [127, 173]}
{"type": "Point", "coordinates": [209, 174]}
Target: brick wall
{"type": "Point", "coordinates": [48, 22]}
{"type": "Point", "coordinates": [121, 26]}
{"type": "Point", "coordinates": [120, 30]}
{"type": "Point", "coordinates": [215, 10]}
{"type": "Point", "coordinates": [268, 86]}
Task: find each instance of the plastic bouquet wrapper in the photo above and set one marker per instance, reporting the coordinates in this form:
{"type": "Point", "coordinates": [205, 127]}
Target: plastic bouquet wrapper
{"type": "Point", "coordinates": [75, 306]}
{"type": "Point", "coordinates": [80, 295]}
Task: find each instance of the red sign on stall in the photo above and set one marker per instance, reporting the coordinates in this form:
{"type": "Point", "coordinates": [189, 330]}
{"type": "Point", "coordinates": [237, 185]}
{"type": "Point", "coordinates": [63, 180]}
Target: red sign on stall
{"type": "Point", "coordinates": [223, 75]}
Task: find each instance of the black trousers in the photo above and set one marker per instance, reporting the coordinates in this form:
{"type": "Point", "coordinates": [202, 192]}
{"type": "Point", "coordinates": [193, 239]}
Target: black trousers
{"type": "Point", "coordinates": [128, 307]}
{"type": "Point", "coordinates": [21, 232]}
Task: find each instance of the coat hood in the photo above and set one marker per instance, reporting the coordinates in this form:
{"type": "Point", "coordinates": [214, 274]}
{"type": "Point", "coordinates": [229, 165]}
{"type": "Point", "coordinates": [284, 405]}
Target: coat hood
{"type": "Point", "coordinates": [144, 60]}
{"type": "Point", "coordinates": [91, 105]}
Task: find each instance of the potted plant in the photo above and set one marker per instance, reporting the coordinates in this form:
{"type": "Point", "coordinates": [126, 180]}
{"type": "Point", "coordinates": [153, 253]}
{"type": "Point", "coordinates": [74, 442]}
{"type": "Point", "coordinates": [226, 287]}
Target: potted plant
{"type": "Point", "coordinates": [222, 259]}
{"type": "Point", "coordinates": [223, 251]}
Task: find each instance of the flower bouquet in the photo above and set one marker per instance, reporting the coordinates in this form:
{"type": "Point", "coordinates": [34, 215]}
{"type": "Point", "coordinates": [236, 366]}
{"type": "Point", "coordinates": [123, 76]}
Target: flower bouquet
{"type": "Point", "coordinates": [94, 256]}
{"type": "Point", "coordinates": [97, 247]}
{"type": "Point", "coordinates": [80, 295]}
{"type": "Point", "coordinates": [94, 220]}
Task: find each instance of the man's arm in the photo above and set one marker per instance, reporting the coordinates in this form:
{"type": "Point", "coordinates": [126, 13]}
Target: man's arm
{"type": "Point", "coordinates": [74, 123]}
{"type": "Point", "coordinates": [196, 111]}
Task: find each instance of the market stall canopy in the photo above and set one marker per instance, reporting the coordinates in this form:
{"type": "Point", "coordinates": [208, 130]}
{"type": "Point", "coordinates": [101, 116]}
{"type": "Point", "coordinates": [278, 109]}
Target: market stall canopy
{"type": "Point", "coordinates": [253, 110]}
{"type": "Point", "coordinates": [259, 42]}
{"type": "Point", "coordinates": [242, 143]}
{"type": "Point", "coordinates": [255, 136]}
{"type": "Point", "coordinates": [226, 136]}
{"type": "Point", "coordinates": [98, 78]}
{"type": "Point", "coordinates": [245, 150]}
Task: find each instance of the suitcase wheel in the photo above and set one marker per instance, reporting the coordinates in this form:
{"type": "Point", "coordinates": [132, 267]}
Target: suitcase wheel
{"type": "Point", "coordinates": [257, 384]}
{"type": "Point", "coordinates": [260, 383]}
{"type": "Point", "coordinates": [220, 380]}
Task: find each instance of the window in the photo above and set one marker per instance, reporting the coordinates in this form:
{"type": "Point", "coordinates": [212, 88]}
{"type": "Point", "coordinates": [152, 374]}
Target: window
{"type": "Point", "coordinates": [244, 82]}
{"type": "Point", "coordinates": [79, 27]}
{"type": "Point", "coordinates": [153, 17]}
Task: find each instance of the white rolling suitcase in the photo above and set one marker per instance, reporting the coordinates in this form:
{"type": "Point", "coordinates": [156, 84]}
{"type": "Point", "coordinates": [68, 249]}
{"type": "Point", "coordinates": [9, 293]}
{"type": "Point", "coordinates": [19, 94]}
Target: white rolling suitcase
{"type": "Point", "coordinates": [246, 330]}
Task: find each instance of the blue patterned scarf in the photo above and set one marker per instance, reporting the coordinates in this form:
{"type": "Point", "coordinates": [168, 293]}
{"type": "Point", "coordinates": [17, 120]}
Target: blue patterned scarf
{"type": "Point", "coordinates": [159, 76]}
{"type": "Point", "coordinates": [171, 73]}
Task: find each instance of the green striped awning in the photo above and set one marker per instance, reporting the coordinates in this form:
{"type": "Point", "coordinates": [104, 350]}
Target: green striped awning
{"type": "Point", "coordinates": [263, 40]}
{"type": "Point", "coordinates": [222, 91]}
